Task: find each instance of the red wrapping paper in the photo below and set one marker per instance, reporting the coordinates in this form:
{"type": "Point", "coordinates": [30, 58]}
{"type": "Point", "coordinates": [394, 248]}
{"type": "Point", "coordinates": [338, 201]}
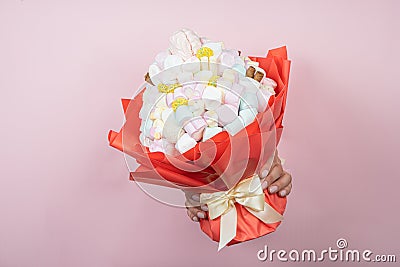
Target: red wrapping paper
{"type": "Point", "coordinates": [201, 168]}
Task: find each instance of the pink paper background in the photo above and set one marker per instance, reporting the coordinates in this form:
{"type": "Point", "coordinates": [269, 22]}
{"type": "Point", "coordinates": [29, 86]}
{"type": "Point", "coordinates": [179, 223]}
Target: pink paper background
{"type": "Point", "coordinates": [65, 198]}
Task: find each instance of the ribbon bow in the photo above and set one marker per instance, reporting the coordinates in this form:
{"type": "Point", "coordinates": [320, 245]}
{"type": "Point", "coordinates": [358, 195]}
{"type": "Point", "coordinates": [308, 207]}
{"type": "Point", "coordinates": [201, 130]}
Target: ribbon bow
{"type": "Point", "coordinates": [247, 193]}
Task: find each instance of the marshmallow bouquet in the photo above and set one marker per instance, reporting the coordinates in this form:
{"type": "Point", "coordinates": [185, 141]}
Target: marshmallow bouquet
{"type": "Point", "coordinates": [197, 89]}
{"type": "Point", "coordinates": [207, 120]}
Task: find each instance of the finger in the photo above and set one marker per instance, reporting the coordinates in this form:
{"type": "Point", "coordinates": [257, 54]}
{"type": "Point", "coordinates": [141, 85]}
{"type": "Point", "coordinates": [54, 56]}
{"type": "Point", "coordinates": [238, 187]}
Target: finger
{"type": "Point", "coordinates": [275, 173]}
{"type": "Point", "coordinates": [191, 216]}
{"type": "Point", "coordinates": [271, 161]}
{"type": "Point", "coordinates": [196, 197]}
{"type": "Point", "coordinates": [193, 199]}
{"type": "Point", "coordinates": [280, 183]}
{"type": "Point", "coordinates": [195, 212]}
{"type": "Point", "coordinates": [285, 191]}
{"type": "Point", "coordinates": [204, 207]}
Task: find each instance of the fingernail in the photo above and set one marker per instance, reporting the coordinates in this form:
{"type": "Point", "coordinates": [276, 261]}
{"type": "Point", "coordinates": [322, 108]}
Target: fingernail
{"type": "Point", "coordinates": [264, 184]}
{"type": "Point", "coordinates": [196, 197]}
{"type": "Point", "coordinates": [204, 207]}
{"type": "Point", "coordinates": [264, 173]}
{"type": "Point", "coordinates": [282, 193]}
{"type": "Point", "coordinates": [195, 219]}
{"type": "Point", "coordinates": [201, 215]}
{"type": "Point", "coordinates": [273, 189]}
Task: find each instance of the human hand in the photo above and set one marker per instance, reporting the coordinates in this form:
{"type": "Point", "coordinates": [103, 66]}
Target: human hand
{"type": "Point", "coordinates": [276, 179]}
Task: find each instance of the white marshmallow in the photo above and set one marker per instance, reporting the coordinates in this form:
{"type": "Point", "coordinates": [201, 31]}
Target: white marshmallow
{"type": "Point", "coordinates": [147, 142]}
{"type": "Point", "coordinates": [172, 61]}
{"type": "Point", "coordinates": [249, 84]}
{"type": "Point", "coordinates": [169, 148]}
{"type": "Point", "coordinates": [209, 63]}
{"type": "Point", "coordinates": [198, 90]}
{"type": "Point", "coordinates": [226, 114]}
{"type": "Point", "coordinates": [235, 126]}
{"type": "Point", "coordinates": [212, 97]}
{"type": "Point", "coordinates": [249, 100]}
{"type": "Point", "coordinates": [168, 76]}
{"type": "Point", "coordinates": [251, 63]}
{"type": "Point", "coordinates": [248, 115]}
{"type": "Point", "coordinates": [238, 89]}
{"type": "Point", "coordinates": [160, 58]}
{"type": "Point", "coordinates": [188, 91]}
{"type": "Point", "coordinates": [240, 69]}
{"type": "Point", "coordinates": [151, 94]}
{"type": "Point", "coordinates": [185, 77]}
{"type": "Point", "coordinates": [269, 82]}
{"type": "Point", "coordinates": [256, 84]}
{"type": "Point", "coordinates": [196, 107]}
{"type": "Point", "coordinates": [230, 75]}
{"type": "Point", "coordinates": [183, 114]}
{"type": "Point", "coordinates": [233, 52]}
{"type": "Point", "coordinates": [231, 98]}
{"type": "Point", "coordinates": [162, 101]}
{"type": "Point", "coordinates": [145, 111]}
{"type": "Point", "coordinates": [157, 146]}
{"type": "Point", "coordinates": [210, 132]}
{"type": "Point", "coordinates": [263, 97]}
{"type": "Point", "coordinates": [166, 114]}
{"type": "Point", "coordinates": [239, 61]}
{"type": "Point", "coordinates": [191, 65]}
{"type": "Point", "coordinates": [227, 59]}
{"type": "Point", "coordinates": [158, 123]}
{"type": "Point", "coordinates": [154, 69]}
{"type": "Point", "coordinates": [156, 114]}
{"type": "Point", "coordinates": [211, 118]}
{"type": "Point", "coordinates": [268, 88]}
{"type": "Point", "coordinates": [224, 84]}
{"type": "Point", "coordinates": [172, 131]}
{"type": "Point", "coordinates": [142, 138]}
{"type": "Point", "coordinates": [185, 143]}
{"type": "Point", "coordinates": [215, 47]}
{"type": "Point", "coordinates": [203, 76]}
{"type": "Point", "coordinates": [180, 93]}
{"type": "Point", "coordinates": [147, 126]}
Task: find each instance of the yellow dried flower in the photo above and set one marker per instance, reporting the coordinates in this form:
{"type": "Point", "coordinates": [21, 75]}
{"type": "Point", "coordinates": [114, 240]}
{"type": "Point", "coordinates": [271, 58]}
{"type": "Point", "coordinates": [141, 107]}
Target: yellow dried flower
{"type": "Point", "coordinates": [180, 101]}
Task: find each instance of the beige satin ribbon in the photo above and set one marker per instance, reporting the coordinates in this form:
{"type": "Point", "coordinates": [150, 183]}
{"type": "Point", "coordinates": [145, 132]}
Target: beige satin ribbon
{"type": "Point", "coordinates": [247, 193]}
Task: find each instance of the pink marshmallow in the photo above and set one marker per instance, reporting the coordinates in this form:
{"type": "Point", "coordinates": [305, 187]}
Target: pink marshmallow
{"type": "Point", "coordinates": [234, 109]}
{"type": "Point", "coordinates": [194, 127]}
{"type": "Point", "coordinates": [157, 146]}
{"type": "Point", "coordinates": [237, 88]}
{"type": "Point", "coordinates": [269, 82]}
{"type": "Point", "coordinates": [226, 114]}
{"type": "Point", "coordinates": [231, 98]}
{"type": "Point", "coordinates": [198, 90]}
{"type": "Point", "coordinates": [188, 91]}
{"type": "Point", "coordinates": [179, 92]}
{"type": "Point", "coordinates": [227, 59]}
{"type": "Point", "coordinates": [152, 131]}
